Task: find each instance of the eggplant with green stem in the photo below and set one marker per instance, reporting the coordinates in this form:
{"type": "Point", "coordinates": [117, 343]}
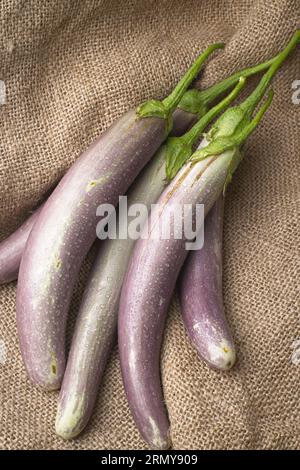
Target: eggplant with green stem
{"type": "Point", "coordinates": [97, 319]}
{"type": "Point", "coordinates": [156, 261]}
{"type": "Point", "coordinates": [66, 227]}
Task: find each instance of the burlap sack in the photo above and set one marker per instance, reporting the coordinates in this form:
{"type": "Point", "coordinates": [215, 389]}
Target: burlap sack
{"type": "Point", "coordinates": [70, 69]}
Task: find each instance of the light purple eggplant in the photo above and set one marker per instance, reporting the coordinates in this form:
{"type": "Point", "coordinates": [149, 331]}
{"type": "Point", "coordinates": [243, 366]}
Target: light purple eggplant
{"type": "Point", "coordinates": [66, 228]}
{"type": "Point", "coordinates": [147, 292]}
{"type": "Point", "coordinates": [157, 260]}
{"type": "Point", "coordinates": [96, 324]}
{"type": "Point", "coordinates": [63, 234]}
{"type": "Point", "coordinates": [182, 121]}
{"type": "Point", "coordinates": [11, 249]}
{"type": "Point", "coordinates": [201, 299]}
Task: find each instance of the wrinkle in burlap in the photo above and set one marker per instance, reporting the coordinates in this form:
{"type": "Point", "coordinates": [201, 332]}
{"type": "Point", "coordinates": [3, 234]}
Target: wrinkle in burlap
{"type": "Point", "coordinates": [70, 69]}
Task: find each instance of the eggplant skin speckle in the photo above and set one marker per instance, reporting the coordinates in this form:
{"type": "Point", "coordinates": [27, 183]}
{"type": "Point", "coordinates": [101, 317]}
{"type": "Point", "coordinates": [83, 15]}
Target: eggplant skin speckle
{"type": "Point", "coordinates": [63, 233]}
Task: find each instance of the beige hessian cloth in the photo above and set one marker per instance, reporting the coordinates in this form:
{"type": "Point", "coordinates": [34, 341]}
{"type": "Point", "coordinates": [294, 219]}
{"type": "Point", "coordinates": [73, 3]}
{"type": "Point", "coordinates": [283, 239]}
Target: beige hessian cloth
{"type": "Point", "coordinates": [70, 69]}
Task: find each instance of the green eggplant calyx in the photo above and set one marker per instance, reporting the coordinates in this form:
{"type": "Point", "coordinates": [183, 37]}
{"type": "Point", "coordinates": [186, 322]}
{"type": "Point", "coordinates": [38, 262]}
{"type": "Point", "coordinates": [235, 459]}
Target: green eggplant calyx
{"type": "Point", "coordinates": [152, 108]}
{"type": "Point", "coordinates": [216, 147]}
{"type": "Point", "coordinates": [179, 149]}
{"type": "Point", "coordinates": [162, 109]}
{"type": "Point", "coordinates": [192, 102]}
{"type": "Point", "coordinates": [196, 101]}
{"type": "Point", "coordinates": [231, 130]}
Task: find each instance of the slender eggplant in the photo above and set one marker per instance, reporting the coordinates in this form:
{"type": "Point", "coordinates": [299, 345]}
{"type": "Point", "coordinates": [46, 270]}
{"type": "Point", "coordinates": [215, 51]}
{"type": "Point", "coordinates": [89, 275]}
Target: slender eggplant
{"type": "Point", "coordinates": [12, 248]}
{"type": "Point", "coordinates": [157, 260]}
{"type": "Point", "coordinates": [66, 227]}
{"type": "Point", "coordinates": [200, 294]}
{"type": "Point", "coordinates": [200, 289]}
{"type": "Point", "coordinates": [96, 324]}
{"type": "Point", "coordinates": [193, 105]}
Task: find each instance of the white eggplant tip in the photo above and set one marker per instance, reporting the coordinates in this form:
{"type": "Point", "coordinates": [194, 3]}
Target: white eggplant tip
{"type": "Point", "coordinates": [64, 432]}
{"type": "Point", "coordinates": [40, 378]}
{"type": "Point", "coordinates": [161, 444]}
{"type": "Point", "coordinates": [221, 356]}
{"type": "Point", "coordinates": [69, 419]}
{"type": "Point", "coordinates": [46, 386]}
{"type": "Point", "coordinates": [159, 439]}
{"type": "Point", "coordinates": [226, 361]}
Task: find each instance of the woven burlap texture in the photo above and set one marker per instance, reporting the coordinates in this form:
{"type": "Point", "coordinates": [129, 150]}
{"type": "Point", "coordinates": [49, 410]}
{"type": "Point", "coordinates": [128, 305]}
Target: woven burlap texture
{"type": "Point", "coordinates": [70, 69]}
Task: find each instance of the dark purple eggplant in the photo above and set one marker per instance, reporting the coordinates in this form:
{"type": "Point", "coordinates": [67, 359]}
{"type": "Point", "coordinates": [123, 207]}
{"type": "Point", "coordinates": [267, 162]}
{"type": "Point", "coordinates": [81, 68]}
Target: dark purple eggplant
{"type": "Point", "coordinates": [201, 299]}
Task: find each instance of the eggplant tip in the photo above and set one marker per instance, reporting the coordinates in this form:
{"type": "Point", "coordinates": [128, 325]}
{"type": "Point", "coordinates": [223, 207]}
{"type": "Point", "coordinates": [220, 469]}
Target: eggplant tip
{"type": "Point", "coordinates": [161, 444]}
{"type": "Point", "coordinates": [47, 382]}
{"type": "Point", "coordinates": [70, 418]}
{"type": "Point", "coordinates": [159, 438]}
{"type": "Point", "coordinates": [64, 431]}
{"type": "Point", "coordinates": [47, 386]}
{"type": "Point", "coordinates": [222, 357]}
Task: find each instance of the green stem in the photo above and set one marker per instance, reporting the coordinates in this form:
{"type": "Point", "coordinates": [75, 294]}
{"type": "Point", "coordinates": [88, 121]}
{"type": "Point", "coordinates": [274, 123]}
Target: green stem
{"type": "Point", "coordinates": [244, 133]}
{"type": "Point", "coordinates": [211, 93]}
{"type": "Point", "coordinates": [196, 101]}
{"type": "Point", "coordinates": [236, 124]}
{"type": "Point", "coordinates": [171, 101]}
{"type": "Point", "coordinates": [192, 135]}
{"type": "Point", "coordinates": [250, 103]}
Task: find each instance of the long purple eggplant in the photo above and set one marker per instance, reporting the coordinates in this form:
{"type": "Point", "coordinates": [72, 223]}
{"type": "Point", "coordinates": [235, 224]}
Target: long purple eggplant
{"type": "Point", "coordinates": [96, 325]}
{"type": "Point", "coordinates": [12, 248]}
{"type": "Point", "coordinates": [156, 261]}
{"type": "Point", "coordinates": [66, 228]}
{"type": "Point", "coordinates": [145, 298]}
{"type": "Point", "coordinates": [97, 319]}
{"type": "Point", "coordinates": [200, 294]}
